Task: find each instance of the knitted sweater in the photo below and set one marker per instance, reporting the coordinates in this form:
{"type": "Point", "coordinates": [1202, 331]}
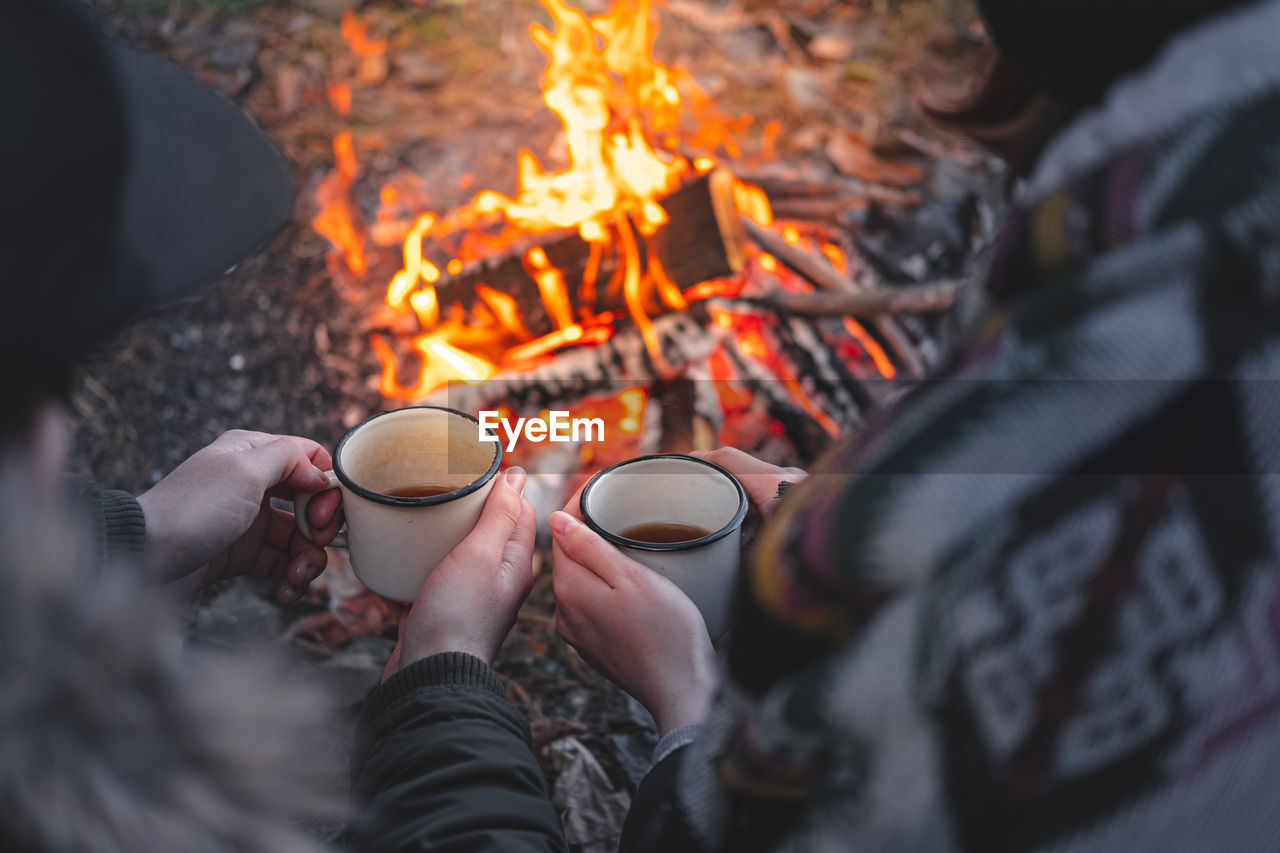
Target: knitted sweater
{"type": "Point", "coordinates": [1037, 605]}
{"type": "Point", "coordinates": [119, 529]}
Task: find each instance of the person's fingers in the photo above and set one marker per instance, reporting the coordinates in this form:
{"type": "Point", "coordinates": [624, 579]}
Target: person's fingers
{"type": "Point", "coordinates": [325, 514]}
{"type": "Point", "coordinates": [267, 562]}
{"type": "Point", "coordinates": [297, 560]}
{"type": "Point", "coordinates": [498, 520]}
{"type": "Point", "coordinates": [742, 464]}
{"type": "Point", "coordinates": [287, 461]}
{"type": "Point", "coordinates": [573, 506]}
{"type": "Point", "coordinates": [240, 440]}
{"type": "Point", "coordinates": [279, 530]}
{"type": "Point", "coordinates": [305, 566]}
{"type": "Point", "coordinates": [517, 556]}
{"type": "Point", "coordinates": [579, 592]}
{"type": "Point", "coordinates": [326, 506]}
{"type": "Point", "coordinates": [299, 571]}
{"type": "Point", "coordinates": [580, 544]}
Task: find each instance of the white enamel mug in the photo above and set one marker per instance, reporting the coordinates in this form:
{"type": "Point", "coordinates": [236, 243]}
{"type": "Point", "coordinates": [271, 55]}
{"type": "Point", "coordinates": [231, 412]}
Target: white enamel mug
{"type": "Point", "coordinates": [670, 488]}
{"type": "Point", "coordinates": [396, 542]}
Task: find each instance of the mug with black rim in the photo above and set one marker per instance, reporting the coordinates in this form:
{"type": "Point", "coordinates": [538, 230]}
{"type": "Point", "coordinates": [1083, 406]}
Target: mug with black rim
{"type": "Point", "coordinates": [695, 504]}
{"type": "Point", "coordinates": [414, 482]}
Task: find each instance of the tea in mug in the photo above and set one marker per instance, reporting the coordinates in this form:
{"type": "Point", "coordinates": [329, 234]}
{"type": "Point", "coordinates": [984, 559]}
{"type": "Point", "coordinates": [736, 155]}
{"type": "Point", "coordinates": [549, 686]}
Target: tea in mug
{"type": "Point", "coordinates": [664, 532]}
{"type": "Point", "coordinates": [424, 490]}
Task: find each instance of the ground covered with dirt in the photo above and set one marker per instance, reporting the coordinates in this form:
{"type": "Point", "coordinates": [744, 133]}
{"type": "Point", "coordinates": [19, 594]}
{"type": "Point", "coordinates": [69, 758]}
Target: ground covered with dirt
{"type": "Point", "coordinates": [281, 344]}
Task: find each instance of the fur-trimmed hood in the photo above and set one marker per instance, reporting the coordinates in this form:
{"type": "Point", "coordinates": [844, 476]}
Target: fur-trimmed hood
{"type": "Point", "coordinates": [114, 736]}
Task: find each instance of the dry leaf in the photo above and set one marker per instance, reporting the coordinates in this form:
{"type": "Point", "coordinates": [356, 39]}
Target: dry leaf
{"type": "Point", "coordinates": [831, 46]}
{"type": "Point", "coordinates": [288, 88]}
{"type": "Point", "coordinates": [712, 19]}
{"type": "Point", "coordinates": [595, 807]}
{"type": "Point", "coordinates": [850, 153]}
{"type": "Point", "coordinates": [860, 72]}
{"type": "Point", "coordinates": [418, 70]}
{"type": "Point", "coordinates": [811, 137]}
{"type": "Point", "coordinates": [806, 88]}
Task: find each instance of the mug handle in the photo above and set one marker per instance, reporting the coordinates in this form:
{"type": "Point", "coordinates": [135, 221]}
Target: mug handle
{"type": "Point", "coordinates": [303, 499]}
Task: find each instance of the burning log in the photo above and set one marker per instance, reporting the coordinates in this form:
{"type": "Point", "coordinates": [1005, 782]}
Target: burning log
{"type": "Point", "coordinates": [586, 371]}
{"type": "Point", "coordinates": [701, 240]}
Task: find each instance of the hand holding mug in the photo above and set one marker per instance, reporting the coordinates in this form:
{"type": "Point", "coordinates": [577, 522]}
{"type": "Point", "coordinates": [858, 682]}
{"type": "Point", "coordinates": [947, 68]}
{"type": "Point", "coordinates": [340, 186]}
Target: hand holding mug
{"type": "Point", "coordinates": [414, 482]}
{"type": "Point", "coordinates": [211, 518]}
{"type": "Point", "coordinates": [469, 603]}
{"type": "Point", "coordinates": [630, 623]}
{"type": "Point", "coordinates": [765, 483]}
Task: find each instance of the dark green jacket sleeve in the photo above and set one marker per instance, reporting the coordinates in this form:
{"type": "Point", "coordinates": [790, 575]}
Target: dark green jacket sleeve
{"type": "Point", "coordinates": [119, 529]}
{"type": "Point", "coordinates": [443, 762]}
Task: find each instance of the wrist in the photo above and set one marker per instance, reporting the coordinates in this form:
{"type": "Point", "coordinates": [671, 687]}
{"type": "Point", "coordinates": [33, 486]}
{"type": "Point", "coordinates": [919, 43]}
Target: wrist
{"type": "Point", "coordinates": [161, 557]}
{"type": "Point", "coordinates": [687, 704]}
{"type": "Point", "coordinates": [156, 559]}
{"type": "Point", "coordinates": [418, 649]}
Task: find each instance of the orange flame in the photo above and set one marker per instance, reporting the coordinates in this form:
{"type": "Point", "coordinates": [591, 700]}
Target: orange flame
{"type": "Point", "coordinates": [555, 295]}
{"type": "Point", "coordinates": [443, 360]}
{"type": "Point", "coordinates": [355, 33]}
{"type": "Point", "coordinates": [602, 82]}
{"type": "Point", "coordinates": [340, 98]}
{"type": "Point", "coordinates": [633, 401]}
{"type": "Point", "coordinates": [334, 220]}
{"type": "Point", "coordinates": [612, 97]}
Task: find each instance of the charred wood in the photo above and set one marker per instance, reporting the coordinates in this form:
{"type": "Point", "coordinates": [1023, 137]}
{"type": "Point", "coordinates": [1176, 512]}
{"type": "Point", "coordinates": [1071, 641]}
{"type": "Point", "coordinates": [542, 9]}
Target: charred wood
{"type": "Point", "coordinates": [701, 240]}
{"type": "Point", "coordinates": [822, 275]}
{"type": "Point", "coordinates": [581, 372]}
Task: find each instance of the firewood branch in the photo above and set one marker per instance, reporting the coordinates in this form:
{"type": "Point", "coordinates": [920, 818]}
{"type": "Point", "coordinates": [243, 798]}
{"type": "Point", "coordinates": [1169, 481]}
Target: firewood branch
{"type": "Point", "coordinates": [808, 266]}
{"type": "Point", "coordinates": [820, 274]}
{"type": "Point", "coordinates": [868, 303]}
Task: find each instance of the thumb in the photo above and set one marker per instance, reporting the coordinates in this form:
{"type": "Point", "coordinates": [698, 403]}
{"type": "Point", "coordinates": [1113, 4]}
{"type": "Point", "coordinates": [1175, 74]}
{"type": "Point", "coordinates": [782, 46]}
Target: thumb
{"type": "Point", "coordinates": [284, 462]}
{"type": "Point", "coordinates": [582, 545]}
{"type": "Point", "coordinates": [498, 522]}
{"type": "Point", "coordinates": [517, 556]}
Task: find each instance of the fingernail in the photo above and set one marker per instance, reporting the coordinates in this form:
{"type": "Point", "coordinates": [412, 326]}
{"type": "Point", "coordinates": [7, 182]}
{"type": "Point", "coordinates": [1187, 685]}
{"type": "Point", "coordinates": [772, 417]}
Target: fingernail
{"type": "Point", "coordinates": [516, 478]}
{"type": "Point", "coordinates": [561, 523]}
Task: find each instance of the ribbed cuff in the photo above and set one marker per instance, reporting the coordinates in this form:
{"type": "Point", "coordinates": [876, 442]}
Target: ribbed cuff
{"type": "Point", "coordinates": [454, 669]}
{"type": "Point", "coordinates": [122, 528]}
{"type": "Point", "coordinates": [673, 740]}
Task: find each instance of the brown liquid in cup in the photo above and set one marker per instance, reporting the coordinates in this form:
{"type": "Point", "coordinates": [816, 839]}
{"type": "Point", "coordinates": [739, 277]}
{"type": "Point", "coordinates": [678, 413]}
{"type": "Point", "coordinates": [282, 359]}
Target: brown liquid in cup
{"type": "Point", "coordinates": [419, 491]}
{"type": "Point", "coordinates": [665, 532]}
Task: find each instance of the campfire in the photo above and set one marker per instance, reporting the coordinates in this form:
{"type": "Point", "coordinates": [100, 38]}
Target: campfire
{"type": "Point", "coordinates": [688, 278]}
{"type": "Point", "coordinates": [645, 282]}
